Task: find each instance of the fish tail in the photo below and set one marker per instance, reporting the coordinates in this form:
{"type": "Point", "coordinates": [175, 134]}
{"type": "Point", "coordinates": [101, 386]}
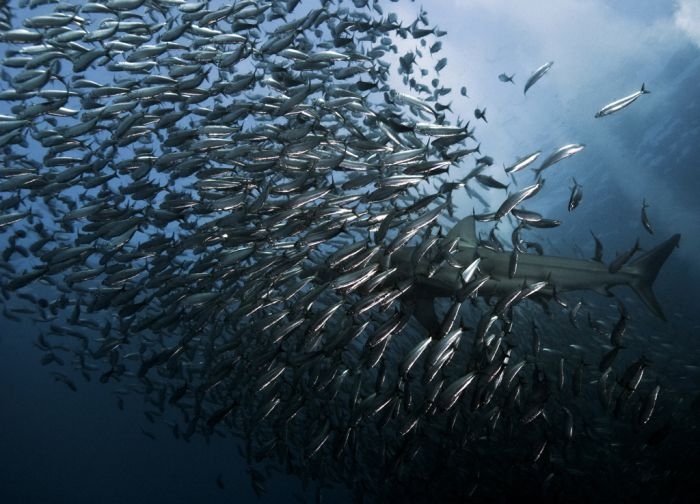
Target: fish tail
{"type": "Point", "coordinates": [644, 90]}
{"type": "Point", "coordinates": [646, 267]}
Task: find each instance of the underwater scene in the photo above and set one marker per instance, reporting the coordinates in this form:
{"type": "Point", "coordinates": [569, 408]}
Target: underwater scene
{"type": "Point", "coordinates": [349, 251]}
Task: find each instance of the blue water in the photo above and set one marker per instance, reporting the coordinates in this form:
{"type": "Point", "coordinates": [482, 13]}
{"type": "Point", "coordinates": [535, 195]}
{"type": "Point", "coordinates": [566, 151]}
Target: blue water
{"type": "Point", "coordinates": [62, 446]}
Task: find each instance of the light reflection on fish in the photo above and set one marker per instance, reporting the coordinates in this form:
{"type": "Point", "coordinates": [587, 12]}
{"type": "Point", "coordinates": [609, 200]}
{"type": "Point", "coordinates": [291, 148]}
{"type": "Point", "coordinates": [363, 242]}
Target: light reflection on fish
{"type": "Point", "coordinates": [618, 105]}
{"type": "Point", "coordinates": [537, 75]}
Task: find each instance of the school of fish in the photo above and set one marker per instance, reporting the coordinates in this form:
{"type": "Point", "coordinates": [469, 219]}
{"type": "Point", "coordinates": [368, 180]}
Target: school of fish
{"type": "Point", "coordinates": [234, 210]}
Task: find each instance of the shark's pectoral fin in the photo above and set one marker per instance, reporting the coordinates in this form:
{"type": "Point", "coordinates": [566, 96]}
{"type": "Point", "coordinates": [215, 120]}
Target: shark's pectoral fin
{"type": "Point", "coordinates": [423, 309]}
{"type": "Point", "coordinates": [465, 230]}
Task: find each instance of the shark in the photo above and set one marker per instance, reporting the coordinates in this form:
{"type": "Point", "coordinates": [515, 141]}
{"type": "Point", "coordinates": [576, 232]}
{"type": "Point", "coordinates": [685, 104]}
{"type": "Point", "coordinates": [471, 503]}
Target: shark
{"type": "Point", "coordinates": [437, 274]}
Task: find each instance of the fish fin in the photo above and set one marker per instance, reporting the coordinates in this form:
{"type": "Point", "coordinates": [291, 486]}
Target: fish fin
{"type": "Point", "coordinates": [542, 300]}
{"type": "Point", "coordinates": [644, 90]}
{"type": "Point", "coordinates": [646, 267]}
{"type": "Point", "coordinates": [465, 230]}
{"type": "Point", "coordinates": [423, 309]}
{"type": "Point", "coordinates": [604, 290]}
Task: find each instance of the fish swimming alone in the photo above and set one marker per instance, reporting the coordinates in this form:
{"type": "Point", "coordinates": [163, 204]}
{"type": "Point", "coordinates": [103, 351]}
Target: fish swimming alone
{"type": "Point", "coordinates": [506, 78]}
{"type": "Point", "coordinates": [537, 75]}
{"type": "Point", "coordinates": [560, 273]}
{"type": "Point", "coordinates": [617, 105]}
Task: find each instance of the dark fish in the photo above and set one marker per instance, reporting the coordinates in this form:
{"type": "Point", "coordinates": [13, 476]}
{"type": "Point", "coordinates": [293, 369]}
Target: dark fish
{"type": "Point", "coordinates": [506, 78]}
{"type": "Point", "coordinates": [623, 258]}
{"type": "Point", "coordinates": [608, 359]}
{"type": "Point", "coordinates": [618, 331]}
{"type": "Point", "coordinates": [576, 196]}
{"type": "Point", "coordinates": [489, 181]}
{"type": "Point", "coordinates": [645, 219]}
{"type": "Point", "coordinates": [598, 254]}
{"type": "Point", "coordinates": [648, 405]}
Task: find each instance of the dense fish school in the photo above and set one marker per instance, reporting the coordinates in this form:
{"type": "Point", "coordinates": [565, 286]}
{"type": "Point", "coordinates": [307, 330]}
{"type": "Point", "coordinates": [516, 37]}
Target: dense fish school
{"type": "Point", "coordinates": [235, 211]}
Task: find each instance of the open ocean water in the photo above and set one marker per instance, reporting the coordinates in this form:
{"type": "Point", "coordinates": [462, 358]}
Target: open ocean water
{"type": "Point", "coordinates": [201, 166]}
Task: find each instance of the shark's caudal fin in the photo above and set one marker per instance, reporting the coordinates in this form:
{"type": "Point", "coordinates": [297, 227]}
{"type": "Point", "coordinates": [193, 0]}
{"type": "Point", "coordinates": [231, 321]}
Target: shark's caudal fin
{"type": "Point", "coordinates": [465, 230]}
{"type": "Point", "coordinates": [646, 267]}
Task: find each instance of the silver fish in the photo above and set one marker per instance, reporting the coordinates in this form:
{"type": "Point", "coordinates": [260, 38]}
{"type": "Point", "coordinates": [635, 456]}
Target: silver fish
{"type": "Point", "coordinates": [523, 162]}
{"type": "Point", "coordinates": [558, 155]}
{"type": "Point", "coordinates": [537, 75]}
{"type": "Point", "coordinates": [617, 105]}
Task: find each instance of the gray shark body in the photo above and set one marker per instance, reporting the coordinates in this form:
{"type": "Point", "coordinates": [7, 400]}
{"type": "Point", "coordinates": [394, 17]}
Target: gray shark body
{"type": "Point", "coordinates": [561, 274]}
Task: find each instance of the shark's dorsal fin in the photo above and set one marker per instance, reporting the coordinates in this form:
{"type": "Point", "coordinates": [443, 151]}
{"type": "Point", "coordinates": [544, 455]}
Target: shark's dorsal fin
{"type": "Point", "coordinates": [465, 230]}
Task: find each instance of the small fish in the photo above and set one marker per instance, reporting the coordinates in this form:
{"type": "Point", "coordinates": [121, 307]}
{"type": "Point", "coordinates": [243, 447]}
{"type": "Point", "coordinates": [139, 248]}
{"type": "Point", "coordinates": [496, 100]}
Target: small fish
{"type": "Point", "coordinates": [545, 223]}
{"type": "Point", "coordinates": [633, 374]}
{"type": "Point", "coordinates": [413, 356]}
{"type": "Point", "coordinates": [449, 396]}
{"type": "Point", "coordinates": [489, 181]}
{"type": "Point", "coordinates": [598, 254]}
{"type": "Point", "coordinates": [537, 75]}
{"type": "Point", "coordinates": [617, 105]}
{"type": "Point", "coordinates": [513, 263]}
{"type": "Point", "coordinates": [59, 377]}
{"type": "Point", "coordinates": [648, 405]}
{"type": "Point", "coordinates": [506, 78]}
{"type": "Point", "coordinates": [469, 271]}
{"type": "Point", "coordinates": [623, 258]}
{"type": "Point", "coordinates": [576, 196]}
{"type": "Point", "coordinates": [480, 114]}
{"type": "Point", "coordinates": [523, 162]}
{"type": "Point", "coordinates": [526, 216]}
{"type": "Point", "coordinates": [536, 340]}
{"type": "Point", "coordinates": [515, 199]}
{"type": "Point", "coordinates": [560, 374]}
{"type": "Point", "coordinates": [577, 379]}
{"type": "Point", "coordinates": [558, 155]}
{"type": "Point", "coordinates": [608, 359]}
{"type": "Point", "coordinates": [645, 219]}
{"type": "Point", "coordinates": [440, 64]}
{"type": "Point", "coordinates": [618, 331]}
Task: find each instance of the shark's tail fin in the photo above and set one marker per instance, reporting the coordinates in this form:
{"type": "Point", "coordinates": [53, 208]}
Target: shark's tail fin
{"type": "Point", "coordinates": [646, 267]}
